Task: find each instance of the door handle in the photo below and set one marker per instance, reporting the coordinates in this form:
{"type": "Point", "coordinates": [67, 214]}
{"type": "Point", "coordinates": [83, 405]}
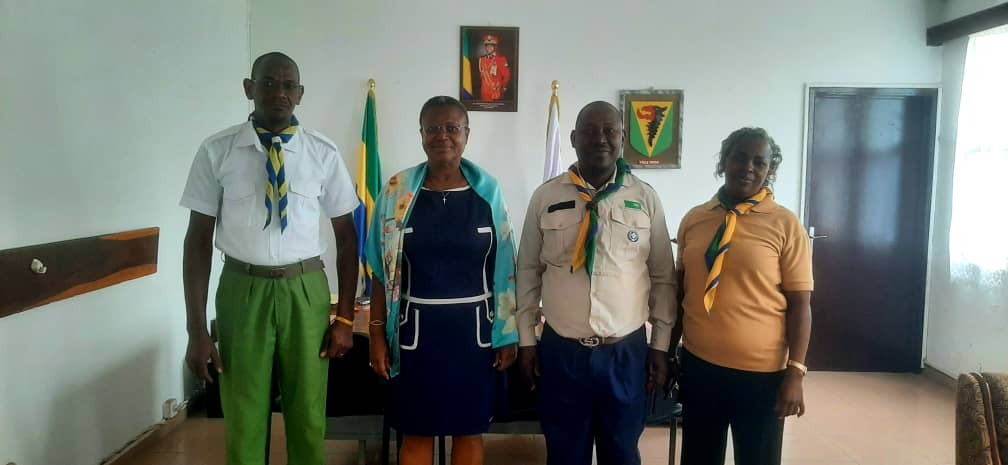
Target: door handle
{"type": "Point", "coordinates": [812, 234]}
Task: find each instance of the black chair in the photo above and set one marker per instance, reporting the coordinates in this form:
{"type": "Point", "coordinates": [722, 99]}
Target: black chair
{"type": "Point", "coordinates": [664, 409]}
{"type": "Point", "coordinates": [668, 409]}
{"type": "Point", "coordinates": [516, 413]}
{"type": "Point", "coordinates": [356, 399]}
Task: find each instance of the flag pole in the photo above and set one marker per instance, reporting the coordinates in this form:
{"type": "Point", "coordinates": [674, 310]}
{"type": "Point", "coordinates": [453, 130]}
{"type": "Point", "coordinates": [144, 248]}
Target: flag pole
{"type": "Point", "coordinates": [552, 164]}
{"type": "Point", "coordinates": [361, 215]}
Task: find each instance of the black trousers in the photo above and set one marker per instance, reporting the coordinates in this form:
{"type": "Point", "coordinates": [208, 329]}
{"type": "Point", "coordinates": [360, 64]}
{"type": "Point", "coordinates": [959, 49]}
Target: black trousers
{"type": "Point", "coordinates": [714, 398]}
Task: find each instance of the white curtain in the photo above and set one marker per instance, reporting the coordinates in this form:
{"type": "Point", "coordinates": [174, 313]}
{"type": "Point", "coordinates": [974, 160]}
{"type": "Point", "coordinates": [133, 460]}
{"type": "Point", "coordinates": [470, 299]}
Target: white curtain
{"type": "Point", "coordinates": [978, 241]}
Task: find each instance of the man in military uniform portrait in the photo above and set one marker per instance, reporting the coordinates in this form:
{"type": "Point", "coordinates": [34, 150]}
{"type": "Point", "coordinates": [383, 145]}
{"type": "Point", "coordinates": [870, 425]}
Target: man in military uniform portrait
{"type": "Point", "coordinates": [494, 72]}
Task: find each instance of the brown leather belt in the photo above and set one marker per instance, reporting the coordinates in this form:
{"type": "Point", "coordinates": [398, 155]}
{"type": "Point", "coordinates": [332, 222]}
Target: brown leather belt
{"type": "Point", "coordinates": [592, 341]}
{"type": "Point", "coordinates": [274, 272]}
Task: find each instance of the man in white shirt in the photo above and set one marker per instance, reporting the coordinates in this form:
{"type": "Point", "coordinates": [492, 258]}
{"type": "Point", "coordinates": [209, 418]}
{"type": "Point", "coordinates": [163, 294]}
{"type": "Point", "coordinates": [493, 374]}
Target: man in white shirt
{"type": "Point", "coordinates": [600, 261]}
{"type": "Point", "coordinates": [264, 186]}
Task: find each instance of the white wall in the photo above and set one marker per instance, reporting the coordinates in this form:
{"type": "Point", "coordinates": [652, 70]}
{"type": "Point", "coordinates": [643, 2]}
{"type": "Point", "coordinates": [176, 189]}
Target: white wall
{"type": "Point", "coordinates": [966, 324]}
{"type": "Point", "coordinates": [739, 62]}
{"type": "Point", "coordinates": [103, 106]}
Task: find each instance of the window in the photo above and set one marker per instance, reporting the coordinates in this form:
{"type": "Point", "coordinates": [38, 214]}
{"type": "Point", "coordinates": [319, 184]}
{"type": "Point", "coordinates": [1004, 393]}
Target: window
{"type": "Point", "coordinates": [978, 249]}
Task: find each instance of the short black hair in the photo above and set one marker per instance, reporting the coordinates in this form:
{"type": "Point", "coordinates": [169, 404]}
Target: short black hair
{"type": "Point", "coordinates": [443, 101]}
{"type": "Point", "coordinates": [259, 62]}
{"type": "Point", "coordinates": [596, 103]}
{"type": "Point", "coordinates": [747, 133]}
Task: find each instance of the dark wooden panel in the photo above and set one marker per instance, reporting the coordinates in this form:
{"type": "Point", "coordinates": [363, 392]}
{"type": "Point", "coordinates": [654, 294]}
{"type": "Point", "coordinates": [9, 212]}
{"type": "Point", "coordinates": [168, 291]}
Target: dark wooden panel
{"type": "Point", "coordinates": [74, 267]}
{"type": "Point", "coordinates": [980, 21]}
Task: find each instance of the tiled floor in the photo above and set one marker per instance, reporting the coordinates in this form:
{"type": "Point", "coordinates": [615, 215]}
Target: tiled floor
{"type": "Point", "coordinates": [853, 418]}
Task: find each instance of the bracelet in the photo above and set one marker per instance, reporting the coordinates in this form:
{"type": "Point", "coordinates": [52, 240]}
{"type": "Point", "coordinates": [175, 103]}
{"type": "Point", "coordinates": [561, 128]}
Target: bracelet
{"type": "Point", "coordinates": [344, 321]}
{"type": "Point", "coordinates": [799, 365]}
{"type": "Point", "coordinates": [376, 323]}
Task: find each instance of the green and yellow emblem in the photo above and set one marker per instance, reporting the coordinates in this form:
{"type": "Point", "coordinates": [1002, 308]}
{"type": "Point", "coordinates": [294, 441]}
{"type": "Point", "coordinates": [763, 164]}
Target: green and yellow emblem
{"type": "Point", "coordinates": [647, 127]}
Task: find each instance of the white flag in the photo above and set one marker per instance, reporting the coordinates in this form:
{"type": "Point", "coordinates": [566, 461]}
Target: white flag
{"type": "Point", "coordinates": [553, 165]}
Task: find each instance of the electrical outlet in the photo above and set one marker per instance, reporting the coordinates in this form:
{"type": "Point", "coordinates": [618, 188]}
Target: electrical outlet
{"type": "Point", "coordinates": [169, 408]}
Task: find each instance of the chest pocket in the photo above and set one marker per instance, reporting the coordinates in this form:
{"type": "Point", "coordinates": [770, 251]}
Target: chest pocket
{"type": "Point", "coordinates": [560, 229]}
{"type": "Point", "coordinates": [238, 206]}
{"type": "Point", "coordinates": [304, 211]}
{"type": "Point", "coordinates": [630, 234]}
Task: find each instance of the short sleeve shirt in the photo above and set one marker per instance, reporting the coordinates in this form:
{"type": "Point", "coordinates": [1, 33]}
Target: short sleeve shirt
{"type": "Point", "coordinates": [228, 181]}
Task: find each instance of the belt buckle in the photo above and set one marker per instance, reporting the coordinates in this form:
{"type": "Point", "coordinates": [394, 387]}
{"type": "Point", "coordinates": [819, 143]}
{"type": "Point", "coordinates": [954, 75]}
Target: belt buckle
{"type": "Point", "coordinates": [276, 273]}
{"type": "Point", "coordinates": [591, 341]}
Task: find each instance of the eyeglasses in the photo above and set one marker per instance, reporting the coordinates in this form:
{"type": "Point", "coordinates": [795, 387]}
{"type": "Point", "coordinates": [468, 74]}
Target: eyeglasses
{"type": "Point", "coordinates": [272, 85]}
{"type": "Point", "coordinates": [444, 128]}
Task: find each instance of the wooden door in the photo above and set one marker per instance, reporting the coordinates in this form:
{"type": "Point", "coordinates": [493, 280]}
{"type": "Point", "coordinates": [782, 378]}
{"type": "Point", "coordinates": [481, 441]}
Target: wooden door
{"type": "Point", "coordinates": [870, 158]}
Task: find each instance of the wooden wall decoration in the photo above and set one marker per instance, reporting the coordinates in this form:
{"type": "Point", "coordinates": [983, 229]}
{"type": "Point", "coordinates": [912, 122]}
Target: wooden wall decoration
{"type": "Point", "coordinates": [69, 268]}
{"type": "Point", "coordinates": [961, 27]}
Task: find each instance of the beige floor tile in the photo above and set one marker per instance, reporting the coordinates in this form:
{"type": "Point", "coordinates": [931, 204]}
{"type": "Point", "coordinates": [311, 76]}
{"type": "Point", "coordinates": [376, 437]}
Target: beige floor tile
{"type": "Point", "coordinates": [505, 449]}
{"type": "Point", "coordinates": [817, 462]}
{"type": "Point", "coordinates": [812, 448]}
{"type": "Point", "coordinates": [853, 418]}
{"type": "Point", "coordinates": [194, 433]}
{"type": "Point", "coordinates": [164, 458]}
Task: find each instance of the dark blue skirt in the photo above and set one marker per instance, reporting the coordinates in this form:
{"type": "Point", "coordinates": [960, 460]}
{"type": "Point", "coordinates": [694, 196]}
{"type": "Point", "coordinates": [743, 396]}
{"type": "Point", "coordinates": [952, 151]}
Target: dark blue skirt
{"type": "Point", "coordinates": [447, 384]}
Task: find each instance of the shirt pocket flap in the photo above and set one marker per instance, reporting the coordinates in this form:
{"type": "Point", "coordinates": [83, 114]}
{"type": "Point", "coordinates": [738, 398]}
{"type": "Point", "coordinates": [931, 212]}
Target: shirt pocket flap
{"type": "Point", "coordinates": [633, 218]}
{"type": "Point", "coordinates": [561, 219]}
{"type": "Point", "coordinates": [238, 190]}
{"type": "Point", "coordinates": [307, 189]}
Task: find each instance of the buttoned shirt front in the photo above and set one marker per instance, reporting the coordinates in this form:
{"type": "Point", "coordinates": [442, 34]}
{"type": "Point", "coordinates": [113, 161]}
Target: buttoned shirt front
{"type": "Point", "coordinates": [633, 279]}
{"type": "Point", "coordinates": [228, 181]}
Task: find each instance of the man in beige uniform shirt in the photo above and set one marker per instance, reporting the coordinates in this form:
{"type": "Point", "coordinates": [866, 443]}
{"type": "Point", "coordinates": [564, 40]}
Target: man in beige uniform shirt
{"type": "Point", "coordinates": [598, 286]}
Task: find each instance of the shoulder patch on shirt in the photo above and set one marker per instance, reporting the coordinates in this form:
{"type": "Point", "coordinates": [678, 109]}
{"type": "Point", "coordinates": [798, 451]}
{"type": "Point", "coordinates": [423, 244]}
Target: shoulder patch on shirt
{"type": "Point", "coordinates": [561, 206]}
{"type": "Point", "coordinates": [321, 138]}
{"type": "Point", "coordinates": [225, 134]}
{"type": "Point", "coordinates": [631, 204]}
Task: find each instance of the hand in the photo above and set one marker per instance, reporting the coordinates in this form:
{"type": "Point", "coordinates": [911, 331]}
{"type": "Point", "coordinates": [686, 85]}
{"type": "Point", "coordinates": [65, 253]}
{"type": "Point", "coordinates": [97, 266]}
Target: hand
{"type": "Point", "coordinates": [657, 367]}
{"type": "Point", "coordinates": [790, 397]}
{"type": "Point", "coordinates": [674, 372]}
{"type": "Point", "coordinates": [201, 348]}
{"type": "Point", "coordinates": [506, 357]}
{"type": "Point", "coordinates": [380, 361]}
{"type": "Point", "coordinates": [529, 359]}
{"type": "Point", "coordinates": [338, 340]}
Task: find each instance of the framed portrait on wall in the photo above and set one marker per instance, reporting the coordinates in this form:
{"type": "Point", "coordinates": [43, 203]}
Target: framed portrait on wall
{"type": "Point", "coordinates": [653, 122]}
{"type": "Point", "coordinates": [488, 77]}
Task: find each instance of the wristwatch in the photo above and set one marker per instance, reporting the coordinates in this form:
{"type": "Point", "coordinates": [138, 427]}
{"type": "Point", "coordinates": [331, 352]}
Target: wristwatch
{"type": "Point", "coordinates": [799, 365]}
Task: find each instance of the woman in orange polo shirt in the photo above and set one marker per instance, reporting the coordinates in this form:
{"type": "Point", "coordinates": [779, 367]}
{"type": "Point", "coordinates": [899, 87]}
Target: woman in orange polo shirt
{"type": "Point", "coordinates": [746, 273]}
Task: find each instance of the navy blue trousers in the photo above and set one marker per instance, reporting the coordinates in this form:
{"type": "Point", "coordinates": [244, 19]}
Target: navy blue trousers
{"type": "Point", "coordinates": [592, 395]}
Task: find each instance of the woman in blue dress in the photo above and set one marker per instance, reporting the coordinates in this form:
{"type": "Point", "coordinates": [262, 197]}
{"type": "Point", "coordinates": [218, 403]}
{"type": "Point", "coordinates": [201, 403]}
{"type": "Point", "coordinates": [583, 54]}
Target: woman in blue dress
{"type": "Point", "coordinates": [443, 328]}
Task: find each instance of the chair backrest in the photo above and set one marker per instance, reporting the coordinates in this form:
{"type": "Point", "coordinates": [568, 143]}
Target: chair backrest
{"type": "Point", "coordinates": [982, 419]}
{"type": "Point", "coordinates": [354, 389]}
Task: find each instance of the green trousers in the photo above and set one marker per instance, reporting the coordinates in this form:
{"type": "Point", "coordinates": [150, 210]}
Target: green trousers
{"type": "Point", "coordinates": [261, 321]}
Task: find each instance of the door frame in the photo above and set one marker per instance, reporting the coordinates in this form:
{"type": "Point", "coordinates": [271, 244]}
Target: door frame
{"type": "Point", "coordinates": [806, 132]}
